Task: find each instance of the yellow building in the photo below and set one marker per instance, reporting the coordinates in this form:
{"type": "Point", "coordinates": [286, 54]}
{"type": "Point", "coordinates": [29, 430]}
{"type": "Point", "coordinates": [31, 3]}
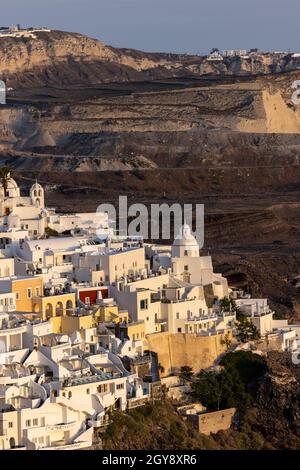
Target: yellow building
{"type": "Point", "coordinates": [132, 330]}
{"type": "Point", "coordinates": [26, 288]}
{"type": "Point", "coordinates": [111, 313]}
{"type": "Point", "coordinates": [135, 330]}
{"type": "Point", "coordinates": [68, 324]}
{"type": "Point", "coordinates": [59, 305]}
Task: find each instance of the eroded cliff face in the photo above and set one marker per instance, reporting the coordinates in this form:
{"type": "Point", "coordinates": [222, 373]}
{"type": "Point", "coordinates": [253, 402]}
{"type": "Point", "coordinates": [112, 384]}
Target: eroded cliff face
{"type": "Point", "coordinates": [53, 59]}
{"type": "Point", "coordinates": [57, 58]}
{"type": "Point", "coordinates": [277, 407]}
{"type": "Point", "coordinates": [186, 124]}
{"type": "Point", "coordinates": [57, 46]}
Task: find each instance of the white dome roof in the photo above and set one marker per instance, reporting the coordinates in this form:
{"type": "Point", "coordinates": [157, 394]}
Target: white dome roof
{"type": "Point", "coordinates": [11, 184]}
{"type": "Point", "coordinates": [185, 237]}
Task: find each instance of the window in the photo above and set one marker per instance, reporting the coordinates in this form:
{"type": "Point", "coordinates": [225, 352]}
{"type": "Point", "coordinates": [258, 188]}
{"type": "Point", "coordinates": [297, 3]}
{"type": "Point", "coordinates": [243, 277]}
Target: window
{"type": "Point", "coordinates": [29, 293]}
{"type": "Point", "coordinates": [28, 423]}
{"type": "Point", "coordinates": [120, 386]}
{"type": "Point", "coordinates": [17, 295]}
{"type": "Point", "coordinates": [177, 315]}
{"type": "Point", "coordinates": [178, 330]}
{"type": "Point", "coordinates": [87, 391]}
{"type": "Point", "coordinates": [185, 252]}
{"type": "Point", "coordinates": [41, 440]}
{"type": "Point", "coordinates": [37, 291]}
{"type": "Point", "coordinates": [35, 422]}
{"type": "Point", "coordinates": [102, 388]}
{"type": "Point", "coordinates": [186, 268]}
{"type": "Point", "coordinates": [144, 304]}
{"type": "Point", "coordinates": [70, 395]}
{"type": "Point", "coordinates": [87, 301]}
{"type": "Point", "coordinates": [10, 424]}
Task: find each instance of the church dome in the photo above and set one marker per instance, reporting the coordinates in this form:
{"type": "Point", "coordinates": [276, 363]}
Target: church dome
{"type": "Point", "coordinates": [12, 189]}
{"type": "Point", "coordinates": [185, 237]}
{"type": "Point", "coordinates": [185, 244]}
{"type": "Point", "coordinates": [11, 184]}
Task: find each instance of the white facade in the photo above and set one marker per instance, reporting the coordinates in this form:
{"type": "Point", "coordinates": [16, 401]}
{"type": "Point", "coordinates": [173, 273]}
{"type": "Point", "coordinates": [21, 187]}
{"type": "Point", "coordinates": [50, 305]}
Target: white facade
{"type": "Point", "coordinates": [60, 414]}
{"type": "Point", "coordinates": [2, 92]}
{"type": "Point", "coordinates": [174, 301]}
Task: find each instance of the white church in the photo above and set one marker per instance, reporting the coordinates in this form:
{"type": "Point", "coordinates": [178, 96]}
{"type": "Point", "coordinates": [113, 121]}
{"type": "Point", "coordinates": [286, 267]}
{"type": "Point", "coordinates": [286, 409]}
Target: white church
{"type": "Point", "coordinates": [21, 212]}
{"type": "Point", "coordinates": [26, 217]}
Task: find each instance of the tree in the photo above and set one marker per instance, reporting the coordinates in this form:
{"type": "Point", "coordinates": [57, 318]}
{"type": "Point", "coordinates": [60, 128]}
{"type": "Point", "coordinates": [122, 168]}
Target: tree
{"type": "Point", "coordinates": [246, 331]}
{"type": "Point", "coordinates": [234, 385]}
{"type": "Point", "coordinates": [226, 341]}
{"type": "Point", "coordinates": [225, 304]}
{"type": "Point", "coordinates": [186, 373]}
{"type": "Point", "coordinates": [247, 364]}
{"type": "Point", "coordinates": [5, 175]}
{"type": "Point", "coordinates": [220, 390]}
{"type": "Point", "coordinates": [229, 305]}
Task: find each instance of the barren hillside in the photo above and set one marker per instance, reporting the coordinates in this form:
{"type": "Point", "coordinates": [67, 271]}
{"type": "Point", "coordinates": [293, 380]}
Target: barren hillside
{"type": "Point", "coordinates": [93, 122]}
{"type": "Point", "coordinates": [59, 58]}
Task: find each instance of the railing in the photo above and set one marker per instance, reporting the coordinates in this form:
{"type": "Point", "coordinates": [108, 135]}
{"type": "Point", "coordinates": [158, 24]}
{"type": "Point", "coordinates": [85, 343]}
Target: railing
{"type": "Point", "coordinates": [13, 329]}
{"type": "Point", "coordinates": [141, 360]}
{"type": "Point", "coordinates": [60, 427]}
{"type": "Point", "coordinates": [75, 445]}
{"type": "Point", "coordinates": [135, 402]}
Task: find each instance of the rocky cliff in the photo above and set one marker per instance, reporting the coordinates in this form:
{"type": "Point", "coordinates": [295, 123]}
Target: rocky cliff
{"type": "Point", "coordinates": [270, 422]}
{"type": "Point", "coordinates": [59, 58]}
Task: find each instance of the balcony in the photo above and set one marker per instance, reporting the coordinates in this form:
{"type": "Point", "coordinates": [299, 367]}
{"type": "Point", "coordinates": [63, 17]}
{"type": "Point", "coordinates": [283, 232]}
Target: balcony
{"type": "Point", "coordinates": [136, 402]}
{"type": "Point", "coordinates": [60, 426]}
{"type": "Point", "coordinates": [63, 446]}
{"type": "Point", "coordinates": [7, 308]}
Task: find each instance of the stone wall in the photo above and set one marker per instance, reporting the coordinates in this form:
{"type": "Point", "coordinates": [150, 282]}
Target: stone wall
{"type": "Point", "coordinates": [180, 349]}
{"type": "Point", "coordinates": [208, 423]}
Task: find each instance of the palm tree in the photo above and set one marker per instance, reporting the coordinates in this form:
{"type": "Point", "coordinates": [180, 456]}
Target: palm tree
{"type": "Point", "coordinates": [5, 175]}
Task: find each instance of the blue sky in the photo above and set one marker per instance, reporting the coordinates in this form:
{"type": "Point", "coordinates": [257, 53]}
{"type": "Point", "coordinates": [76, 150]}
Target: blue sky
{"type": "Point", "coordinates": [167, 25]}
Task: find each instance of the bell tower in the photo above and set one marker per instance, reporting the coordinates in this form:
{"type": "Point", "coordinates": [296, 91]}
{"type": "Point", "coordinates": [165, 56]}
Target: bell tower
{"type": "Point", "coordinates": [37, 195]}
